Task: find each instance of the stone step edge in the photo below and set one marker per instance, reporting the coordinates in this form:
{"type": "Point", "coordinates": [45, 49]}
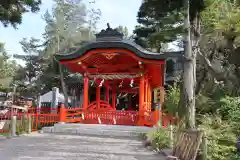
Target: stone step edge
{"type": "Point", "coordinates": [88, 131]}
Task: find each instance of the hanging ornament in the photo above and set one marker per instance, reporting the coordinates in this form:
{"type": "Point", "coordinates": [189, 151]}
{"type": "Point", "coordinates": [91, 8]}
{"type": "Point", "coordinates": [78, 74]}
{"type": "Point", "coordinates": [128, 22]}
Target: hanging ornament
{"type": "Point", "coordinates": [125, 95]}
{"type": "Point", "coordinates": [101, 83]}
{"type": "Point", "coordinates": [131, 83]}
{"type": "Point", "coordinates": [121, 84]}
{"type": "Point", "coordinates": [120, 94]}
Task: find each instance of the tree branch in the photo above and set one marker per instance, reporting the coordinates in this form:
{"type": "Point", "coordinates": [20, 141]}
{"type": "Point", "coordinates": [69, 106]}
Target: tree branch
{"type": "Point", "coordinates": [220, 76]}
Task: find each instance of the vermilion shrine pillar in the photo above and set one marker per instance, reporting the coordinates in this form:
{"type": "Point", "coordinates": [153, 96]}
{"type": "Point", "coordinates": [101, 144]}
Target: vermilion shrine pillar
{"type": "Point", "coordinates": [85, 93]}
{"type": "Point", "coordinates": [149, 98]}
{"type": "Point", "coordinates": [141, 98]}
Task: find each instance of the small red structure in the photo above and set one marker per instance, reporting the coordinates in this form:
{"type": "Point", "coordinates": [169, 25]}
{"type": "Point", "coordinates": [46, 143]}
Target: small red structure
{"type": "Point", "coordinates": [124, 70]}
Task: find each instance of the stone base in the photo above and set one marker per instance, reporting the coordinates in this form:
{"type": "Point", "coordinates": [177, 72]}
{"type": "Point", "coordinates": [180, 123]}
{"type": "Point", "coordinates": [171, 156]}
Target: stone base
{"type": "Point", "coordinates": [97, 130]}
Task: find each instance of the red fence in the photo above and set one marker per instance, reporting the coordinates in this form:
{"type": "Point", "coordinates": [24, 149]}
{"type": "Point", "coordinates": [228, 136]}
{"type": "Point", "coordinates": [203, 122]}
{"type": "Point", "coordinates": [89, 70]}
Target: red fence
{"type": "Point", "coordinates": [45, 117]}
{"type": "Point", "coordinates": [111, 117]}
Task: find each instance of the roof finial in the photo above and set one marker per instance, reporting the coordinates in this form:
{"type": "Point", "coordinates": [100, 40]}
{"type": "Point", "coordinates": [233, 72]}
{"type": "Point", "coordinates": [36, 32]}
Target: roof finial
{"type": "Point", "coordinates": [108, 26]}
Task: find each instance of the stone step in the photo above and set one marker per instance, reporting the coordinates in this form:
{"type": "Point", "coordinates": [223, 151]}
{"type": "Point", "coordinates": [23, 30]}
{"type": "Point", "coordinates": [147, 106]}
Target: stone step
{"type": "Point", "coordinates": [97, 130]}
{"type": "Point", "coordinates": [102, 126]}
{"type": "Point", "coordinates": [91, 132]}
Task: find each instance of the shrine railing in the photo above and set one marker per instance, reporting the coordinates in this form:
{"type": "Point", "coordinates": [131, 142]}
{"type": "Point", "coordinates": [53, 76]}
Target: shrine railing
{"type": "Point", "coordinates": [48, 117]}
{"type": "Point", "coordinates": [111, 117]}
{"type": "Point", "coordinates": [103, 105]}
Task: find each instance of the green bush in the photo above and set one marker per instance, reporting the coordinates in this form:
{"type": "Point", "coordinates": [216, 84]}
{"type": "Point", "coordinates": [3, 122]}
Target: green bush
{"type": "Point", "coordinates": [221, 139]}
{"type": "Point", "coordinates": [229, 108]}
{"type": "Point", "coordinates": [160, 138]}
{"type": "Point", "coordinates": [172, 100]}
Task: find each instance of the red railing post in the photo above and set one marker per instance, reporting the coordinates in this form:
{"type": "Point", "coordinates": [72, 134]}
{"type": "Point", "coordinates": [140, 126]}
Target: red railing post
{"type": "Point", "coordinates": [36, 116]}
{"type": "Point", "coordinates": [62, 114]}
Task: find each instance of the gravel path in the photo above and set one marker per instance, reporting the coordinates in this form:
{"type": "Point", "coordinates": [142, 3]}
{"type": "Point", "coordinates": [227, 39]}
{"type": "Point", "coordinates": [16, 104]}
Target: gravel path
{"type": "Point", "coordinates": [65, 147]}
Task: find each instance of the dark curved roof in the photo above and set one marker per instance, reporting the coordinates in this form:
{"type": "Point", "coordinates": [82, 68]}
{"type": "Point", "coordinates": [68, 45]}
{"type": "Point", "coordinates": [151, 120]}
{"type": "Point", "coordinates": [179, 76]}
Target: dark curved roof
{"type": "Point", "coordinates": [111, 38]}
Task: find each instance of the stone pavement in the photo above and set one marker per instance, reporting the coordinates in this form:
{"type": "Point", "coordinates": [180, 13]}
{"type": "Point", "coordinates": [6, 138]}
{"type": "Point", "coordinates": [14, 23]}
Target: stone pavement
{"type": "Point", "coordinates": [74, 147]}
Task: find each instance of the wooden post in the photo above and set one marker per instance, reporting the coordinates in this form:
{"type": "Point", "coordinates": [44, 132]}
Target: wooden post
{"type": "Point", "coordinates": [36, 119]}
{"type": "Point", "coordinates": [54, 103]}
{"type": "Point", "coordinates": [38, 109]}
{"type": "Point", "coordinates": [85, 93]}
{"type": "Point", "coordinates": [98, 98]}
{"type": "Point", "coordinates": [161, 105]}
{"type": "Point", "coordinates": [29, 126]}
{"type": "Point", "coordinates": [13, 125]}
{"type": "Point", "coordinates": [204, 146]}
{"type": "Point", "coordinates": [162, 97]}
{"type": "Point", "coordinates": [62, 114]}
{"type": "Point", "coordinates": [171, 136]}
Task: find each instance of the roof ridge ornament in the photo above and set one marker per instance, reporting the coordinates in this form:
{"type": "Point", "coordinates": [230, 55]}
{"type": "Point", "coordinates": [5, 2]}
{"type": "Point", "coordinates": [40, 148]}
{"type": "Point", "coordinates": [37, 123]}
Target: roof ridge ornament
{"type": "Point", "coordinates": [109, 34]}
{"type": "Point", "coordinates": [108, 26]}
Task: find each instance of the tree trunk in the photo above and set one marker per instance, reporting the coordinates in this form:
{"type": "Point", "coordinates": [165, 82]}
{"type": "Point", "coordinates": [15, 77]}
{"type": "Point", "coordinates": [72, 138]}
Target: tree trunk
{"type": "Point", "coordinates": [63, 84]}
{"type": "Point", "coordinates": [188, 88]}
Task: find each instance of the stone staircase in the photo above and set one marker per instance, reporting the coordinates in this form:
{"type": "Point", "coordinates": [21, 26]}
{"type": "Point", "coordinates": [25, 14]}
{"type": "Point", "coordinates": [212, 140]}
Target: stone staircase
{"type": "Point", "coordinates": [97, 130]}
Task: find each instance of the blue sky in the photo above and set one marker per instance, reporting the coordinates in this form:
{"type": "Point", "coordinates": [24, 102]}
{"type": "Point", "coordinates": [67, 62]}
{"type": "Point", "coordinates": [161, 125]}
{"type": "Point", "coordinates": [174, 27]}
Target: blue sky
{"type": "Point", "coordinates": [116, 12]}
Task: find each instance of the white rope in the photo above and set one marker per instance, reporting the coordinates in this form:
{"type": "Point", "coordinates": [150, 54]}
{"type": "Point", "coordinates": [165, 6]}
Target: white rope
{"type": "Point", "coordinates": [93, 81]}
{"type": "Point", "coordinates": [125, 95]}
{"type": "Point", "coordinates": [131, 83]}
{"type": "Point", "coordinates": [99, 120]}
{"type": "Point", "coordinates": [83, 116]}
{"type": "Point", "coordinates": [120, 95]}
{"type": "Point", "coordinates": [121, 84]}
{"type": "Point", "coordinates": [114, 121]}
{"type": "Point", "coordinates": [101, 83]}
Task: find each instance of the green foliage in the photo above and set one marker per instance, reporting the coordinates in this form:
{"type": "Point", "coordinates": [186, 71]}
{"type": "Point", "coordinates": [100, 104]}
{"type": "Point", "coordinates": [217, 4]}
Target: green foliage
{"type": "Point", "coordinates": [11, 11]}
{"type": "Point", "coordinates": [218, 115]}
{"type": "Point", "coordinates": [229, 108]}
{"type": "Point", "coordinates": [221, 139]}
{"type": "Point", "coordinates": [162, 21]}
{"type": "Point", "coordinates": [7, 67]}
{"type": "Point", "coordinates": [160, 138]}
{"type": "Point", "coordinates": [172, 100]}
{"type": "Point", "coordinates": [124, 31]}
{"type": "Point", "coordinates": [67, 26]}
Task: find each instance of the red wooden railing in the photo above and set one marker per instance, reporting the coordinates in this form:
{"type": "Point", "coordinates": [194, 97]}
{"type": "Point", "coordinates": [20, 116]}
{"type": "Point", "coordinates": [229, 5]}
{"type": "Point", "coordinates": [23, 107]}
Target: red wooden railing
{"type": "Point", "coordinates": [103, 105]}
{"type": "Point", "coordinates": [48, 117]}
{"type": "Point", "coordinates": [111, 117]}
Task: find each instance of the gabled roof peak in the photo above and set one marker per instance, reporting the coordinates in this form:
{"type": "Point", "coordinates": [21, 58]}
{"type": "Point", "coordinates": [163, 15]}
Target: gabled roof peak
{"type": "Point", "coordinates": [109, 34]}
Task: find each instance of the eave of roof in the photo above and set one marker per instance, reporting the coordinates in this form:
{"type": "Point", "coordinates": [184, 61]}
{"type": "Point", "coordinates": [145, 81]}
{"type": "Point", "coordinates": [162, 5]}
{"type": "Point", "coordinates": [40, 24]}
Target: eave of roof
{"type": "Point", "coordinates": [77, 52]}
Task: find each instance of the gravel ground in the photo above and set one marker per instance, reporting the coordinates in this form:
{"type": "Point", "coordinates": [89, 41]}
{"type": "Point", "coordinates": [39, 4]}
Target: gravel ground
{"type": "Point", "coordinates": [70, 147]}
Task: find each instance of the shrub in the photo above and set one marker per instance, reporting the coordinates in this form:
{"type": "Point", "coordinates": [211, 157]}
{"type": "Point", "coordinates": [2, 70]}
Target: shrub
{"type": "Point", "coordinates": [229, 108]}
{"type": "Point", "coordinates": [172, 100]}
{"type": "Point", "coordinates": [160, 138]}
{"type": "Point", "coordinates": [221, 139]}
